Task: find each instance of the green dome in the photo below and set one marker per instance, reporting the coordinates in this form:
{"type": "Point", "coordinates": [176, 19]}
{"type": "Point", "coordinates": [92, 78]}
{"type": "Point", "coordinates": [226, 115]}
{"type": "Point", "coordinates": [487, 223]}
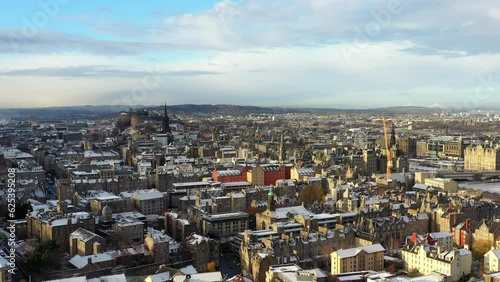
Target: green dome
{"type": "Point", "coordinates": [270, 192]}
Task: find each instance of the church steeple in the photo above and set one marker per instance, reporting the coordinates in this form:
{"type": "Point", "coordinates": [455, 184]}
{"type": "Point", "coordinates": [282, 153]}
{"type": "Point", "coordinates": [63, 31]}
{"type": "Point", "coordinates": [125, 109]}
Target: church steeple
{"type": "Point", "coordinates": [281, 152]}
{"type": "Point", "coordinates": [166, 122]}
{"type": "Point", "coordinates": [270, 200]}
{"type": "Point", "coordinates": [393, 136]}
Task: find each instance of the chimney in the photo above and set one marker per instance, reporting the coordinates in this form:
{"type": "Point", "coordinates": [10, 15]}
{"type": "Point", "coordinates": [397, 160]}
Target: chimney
{"type": "Point", "coordinates": [89, 261]}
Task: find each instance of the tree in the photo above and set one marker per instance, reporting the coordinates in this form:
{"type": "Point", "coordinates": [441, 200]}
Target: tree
{"type": "Point", "coordinates": [212, 266]}
{"type": "Point", "coordinates": [480, 248]}
{"type": "Point", "coordinates": [413, 272]}
{"type": "Point", "coordinates": [42, 256]}
{"type": "Point", "coordinates": [392, 268]}
{"type": "Point", "coordinates": [393, 243]}
{"type": "Point", "coordinates": [310, 194]}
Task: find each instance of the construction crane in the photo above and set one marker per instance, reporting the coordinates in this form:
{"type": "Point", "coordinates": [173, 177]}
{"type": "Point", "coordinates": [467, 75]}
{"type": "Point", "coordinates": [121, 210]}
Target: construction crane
{"type": "Point", "coordinates": [387, 150]}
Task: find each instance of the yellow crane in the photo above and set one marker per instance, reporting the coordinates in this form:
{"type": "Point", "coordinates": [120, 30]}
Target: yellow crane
{"type": "Point", "coordinates": [387, 150]}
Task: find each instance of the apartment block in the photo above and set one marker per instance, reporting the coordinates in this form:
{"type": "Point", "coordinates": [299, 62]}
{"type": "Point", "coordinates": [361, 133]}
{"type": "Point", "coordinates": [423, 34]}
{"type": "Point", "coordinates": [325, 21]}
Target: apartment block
{"type": "Point", "coordinates": [427, 259]}
{"type": "Point", "coordinates": [358, 259]}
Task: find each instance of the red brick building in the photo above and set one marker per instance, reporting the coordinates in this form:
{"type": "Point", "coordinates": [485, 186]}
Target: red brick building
{"type": "Point", "coordinates": [266, 174]}
{"type": "Point", "coordinates": [233, 175]}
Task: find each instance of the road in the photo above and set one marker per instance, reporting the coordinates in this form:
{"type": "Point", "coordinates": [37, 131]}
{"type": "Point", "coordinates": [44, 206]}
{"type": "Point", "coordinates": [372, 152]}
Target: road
{"type": "Point", "coordinates": [51, 190]}
{"type": "Point", "coordinates": [229, 264]}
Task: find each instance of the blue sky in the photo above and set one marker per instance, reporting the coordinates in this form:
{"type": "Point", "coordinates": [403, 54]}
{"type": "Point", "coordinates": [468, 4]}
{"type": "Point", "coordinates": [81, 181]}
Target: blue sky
{"type": "Point", "coordinates": [316, 53]}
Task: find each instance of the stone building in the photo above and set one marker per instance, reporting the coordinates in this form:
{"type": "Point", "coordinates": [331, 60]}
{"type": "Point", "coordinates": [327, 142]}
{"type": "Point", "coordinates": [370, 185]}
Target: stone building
{"type": "Point", "coordinates": [83, 242]}
{"type": "Point", "coordinates": [157, 244]}
{"type": "Point", "coordinates": [149, 202]}
{"type": "Point", "coordinates": [488, 232]}
{"type": "Point", "coordinates": [392, 231]}
{"type": "Point", "coordinates": [57, 226]}
{"type": "Point", "coordinates": [225, 224]}
{"type": "Point", "coordinates": [292, 272]}
{"type": "Point", "coordinates": [178, 227]}
{"type": "Point", "coordinates": [129, 230]}
{"type": "Point", "coordinates": [492, 261]}
{"type": "Point", "coordinates": [295, 248]}
{"type": "Point", "coordinates": [479, 158]}
{"type": "Point", "coordinates": [204, 251]}
{"type": "Point", "coordinates": [426, 259]}
{"type": "Point", "coordinates": [358, 259]}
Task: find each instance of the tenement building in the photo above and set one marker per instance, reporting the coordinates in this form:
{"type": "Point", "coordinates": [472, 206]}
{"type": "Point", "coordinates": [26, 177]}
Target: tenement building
{"type": "Point", "coordinates": [57, 226]}
{"type": "Point", "coordinates": [479, 158]}
{"type": "Point", "coordinates": [358, 259]}
{"type": "Point", "coordinates": [426, 259]}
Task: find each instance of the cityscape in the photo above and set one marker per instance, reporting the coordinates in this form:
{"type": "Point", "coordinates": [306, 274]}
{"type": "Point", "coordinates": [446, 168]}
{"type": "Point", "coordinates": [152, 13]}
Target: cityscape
{"type": "Point", "coordinates": [249, 141]}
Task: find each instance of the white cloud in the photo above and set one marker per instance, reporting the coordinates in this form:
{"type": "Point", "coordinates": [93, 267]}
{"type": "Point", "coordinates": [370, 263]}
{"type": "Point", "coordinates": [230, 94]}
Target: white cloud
{"type": "Point", "coordinates": [272, 52]}
{"type": "Point", "coordinates": [468, 23]}
{"type": "Point", "coordinates": [494, 13]}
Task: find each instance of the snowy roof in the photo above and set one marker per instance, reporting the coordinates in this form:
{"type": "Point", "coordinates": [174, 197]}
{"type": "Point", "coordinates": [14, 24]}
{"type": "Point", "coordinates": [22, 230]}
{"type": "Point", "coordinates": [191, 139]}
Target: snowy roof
{"type": "Point", "coordinates": [196, 239]}
{"type": "Point", "coordinates": [236, 183]}
{"type": "Point", "coordinates": [149, 195]}
{"type": "Point", "coordinates": [281, 213]}
{"type": "Point", "coordinates": [83, 235]}
{"type": "Point", "coordinates": [72, 279]}
{"type": "Point", "coordinates": [420, 186]}
{"type": "Point", "coordinates": [237, 195]}
{"type": "Point", "coordinates": [188, 270]}
{"type": "Point", "coordinates": [440, 235]}
{"type": "Point", "coordinates": [82, 261]}
{"type": "Point", "coordinates": [495, 252]}
{"type": "Point", "coordinates": [3, 263]}
{"type": "Point", "coordinates": [202, 277]}
{"type": "Point", "coordinates": [228, 173]}
{"type": "Point", "coordinates": [354, 251]}
{"type": "Point", "coordinates": [484, 187]}
{"type": "Point", "coordinates": [160, 277]}
{"type": "Point", "coordinates": [111, 278]}
{"type": "Point", "coordinates": [305, 171]}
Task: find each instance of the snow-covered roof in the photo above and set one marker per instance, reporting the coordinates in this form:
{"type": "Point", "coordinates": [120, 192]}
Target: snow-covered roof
{"type": "Point", "coordinates": [202, 277]}
{"type": "Point", "coordinates": [354, 251]}
{"type": "Point", "coordinates": [82, 261]}
{"type": "Point", "coordinates": [160, 277]}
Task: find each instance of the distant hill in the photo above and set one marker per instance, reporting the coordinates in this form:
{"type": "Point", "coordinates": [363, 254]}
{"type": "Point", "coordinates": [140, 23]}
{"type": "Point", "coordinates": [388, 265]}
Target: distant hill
{"type": "Point", "coordinates": [90, 112]}
{"type": "Point", "coordinates": [407, 110]}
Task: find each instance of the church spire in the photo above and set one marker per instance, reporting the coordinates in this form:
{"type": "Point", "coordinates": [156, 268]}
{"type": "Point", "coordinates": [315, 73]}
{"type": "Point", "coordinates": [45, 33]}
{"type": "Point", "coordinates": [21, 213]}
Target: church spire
{"type": "Point", "coordinates": [270, 200]}
{"type": "Point", "coordinates": [393, 136]}
{"type": "Point", "coordinates": [281, 152]}
{"type": "Point", "coordinates": [166, 122]}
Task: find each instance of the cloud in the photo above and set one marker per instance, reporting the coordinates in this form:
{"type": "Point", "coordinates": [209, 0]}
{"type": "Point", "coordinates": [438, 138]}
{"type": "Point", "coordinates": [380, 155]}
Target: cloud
{"type": "Point", "coordinates": [75, 18]}
{"type": "Point", "coordinates": [468, 23]}
{"type": "Point", "coordinates": [494, 13]}
{"type": "Point", "coordinates": [453, 53]}
{"type": "Point", "coordinates": [45, 42]}
{"type": "Point", "coordinates": [106, 10]}
{"type": "Point", "coordinates": [267, 52]}
{"type": "Point", "coordinates": [260, 24]}
{"type": "Point", "coordinates": [99, 72]}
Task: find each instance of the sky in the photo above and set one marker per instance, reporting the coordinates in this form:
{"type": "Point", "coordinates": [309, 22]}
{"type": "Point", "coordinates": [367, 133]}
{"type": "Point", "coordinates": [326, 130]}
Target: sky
{"type": "Point", "coordinates": [285, 53]}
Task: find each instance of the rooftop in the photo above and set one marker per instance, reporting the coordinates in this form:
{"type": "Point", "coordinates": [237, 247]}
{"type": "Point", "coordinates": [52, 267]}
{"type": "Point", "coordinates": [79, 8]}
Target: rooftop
{"type": "Point", "coordinates": [354, 251]}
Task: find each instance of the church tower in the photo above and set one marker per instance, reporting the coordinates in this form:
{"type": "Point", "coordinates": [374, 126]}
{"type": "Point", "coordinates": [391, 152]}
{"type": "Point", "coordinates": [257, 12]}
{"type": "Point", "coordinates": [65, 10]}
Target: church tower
{"type": "Point", "coordinates": [166, 122]}
{"type": "Point", "coordinates": [270, 200]}
{"type": "Point", "coordinates": [393, 136]}
{"type": "Point", "coordinates": [281, 151]}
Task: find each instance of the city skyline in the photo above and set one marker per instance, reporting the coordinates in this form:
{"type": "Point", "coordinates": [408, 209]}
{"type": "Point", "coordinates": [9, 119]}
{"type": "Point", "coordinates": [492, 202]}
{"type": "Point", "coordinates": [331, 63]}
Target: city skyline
{"type": "Point", "coordinates": [354, 54]}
